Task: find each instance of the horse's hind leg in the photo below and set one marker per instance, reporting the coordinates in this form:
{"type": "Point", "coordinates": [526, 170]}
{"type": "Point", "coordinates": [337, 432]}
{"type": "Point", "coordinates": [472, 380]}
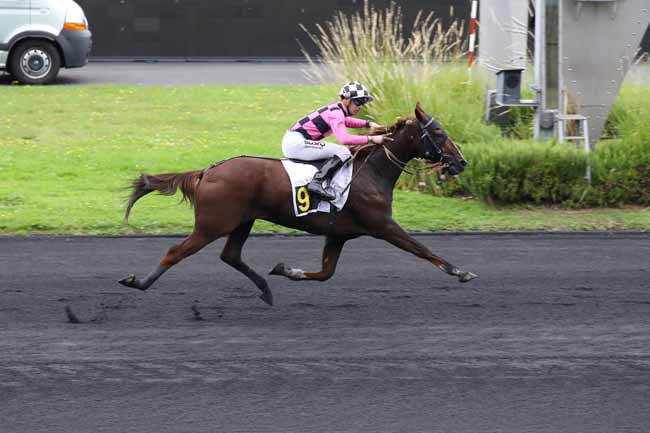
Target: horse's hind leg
{"type": "Point", "coordinates": [189, 246]}
{"type": "Point", "coordinates": [331, 253]}
{"type": "Point", "coordinates": [231, 254]}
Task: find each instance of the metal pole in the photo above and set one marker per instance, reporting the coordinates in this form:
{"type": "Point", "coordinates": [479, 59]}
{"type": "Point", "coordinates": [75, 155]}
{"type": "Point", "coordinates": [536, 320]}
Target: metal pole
{"type": "Point", "coordinates": [585, 125]}
{"type": "Point", "coordinates": [540, 62]}
{"type": "Point", "coordinates": [546, 66]}
{"type": "Point", "coordinates": [472, 34]}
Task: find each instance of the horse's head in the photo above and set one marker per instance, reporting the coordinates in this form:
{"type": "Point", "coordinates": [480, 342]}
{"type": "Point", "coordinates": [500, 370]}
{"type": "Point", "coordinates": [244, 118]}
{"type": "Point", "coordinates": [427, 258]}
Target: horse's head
{"type": "Point", "coordinates": [436, 146]}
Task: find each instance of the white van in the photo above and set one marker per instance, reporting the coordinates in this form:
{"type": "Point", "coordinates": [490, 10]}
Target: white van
{"type": "Point", "coordinates": [37, 37]}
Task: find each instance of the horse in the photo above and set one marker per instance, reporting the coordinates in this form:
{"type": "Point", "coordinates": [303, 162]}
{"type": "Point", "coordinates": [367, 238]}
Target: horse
{"type": "Point", "coordinates": [229, 196]}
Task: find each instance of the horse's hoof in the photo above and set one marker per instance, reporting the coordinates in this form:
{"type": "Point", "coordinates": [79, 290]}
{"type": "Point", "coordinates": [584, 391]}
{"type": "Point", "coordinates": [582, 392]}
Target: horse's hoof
{"type": "Point", "coordinates": [267, 297]}
{"type": "Point", "coordinates": [130, 281]}
{"type": "Point", "coordinates": [278, 270]}
{"type": "Point", "coordinates": [464, 277]}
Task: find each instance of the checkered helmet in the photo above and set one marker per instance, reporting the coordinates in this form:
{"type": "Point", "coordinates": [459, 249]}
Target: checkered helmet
{"type": "Point", "coordinates": [356, 90]}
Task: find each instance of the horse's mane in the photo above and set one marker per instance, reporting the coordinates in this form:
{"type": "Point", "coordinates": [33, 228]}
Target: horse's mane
{"type": "Point", "coordinates": [401, 122]}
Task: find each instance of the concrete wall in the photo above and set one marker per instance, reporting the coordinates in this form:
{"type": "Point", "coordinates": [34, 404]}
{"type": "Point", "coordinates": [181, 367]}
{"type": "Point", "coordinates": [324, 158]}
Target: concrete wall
{"type": "Point", "coordinates": [224, 28]}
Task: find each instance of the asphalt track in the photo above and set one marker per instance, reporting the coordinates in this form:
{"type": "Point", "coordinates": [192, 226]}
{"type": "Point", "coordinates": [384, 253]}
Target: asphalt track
{"type": "Point", "coordinates": [554, 336]}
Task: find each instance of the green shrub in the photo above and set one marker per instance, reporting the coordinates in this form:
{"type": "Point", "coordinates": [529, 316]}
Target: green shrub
{"type": "Point", "coordinates": [622, 172]}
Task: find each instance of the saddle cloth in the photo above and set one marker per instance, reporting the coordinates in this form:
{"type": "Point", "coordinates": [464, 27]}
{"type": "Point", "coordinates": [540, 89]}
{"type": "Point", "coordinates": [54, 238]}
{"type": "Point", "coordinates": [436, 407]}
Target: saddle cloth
{"type": "Point", "coordinates": [301, 173]}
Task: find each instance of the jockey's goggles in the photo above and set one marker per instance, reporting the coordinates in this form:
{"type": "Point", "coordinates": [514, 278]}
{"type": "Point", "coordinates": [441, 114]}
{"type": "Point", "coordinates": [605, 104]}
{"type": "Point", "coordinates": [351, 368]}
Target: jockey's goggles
{"type": "Point", "coordinates": [361, 100]}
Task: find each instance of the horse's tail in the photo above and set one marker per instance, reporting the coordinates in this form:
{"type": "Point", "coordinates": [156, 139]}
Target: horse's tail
{"type": "Point", "coordinates": [165, 184]}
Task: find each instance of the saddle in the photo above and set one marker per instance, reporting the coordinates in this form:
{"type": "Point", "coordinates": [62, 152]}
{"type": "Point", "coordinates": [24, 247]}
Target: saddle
{"type": "Point", "coordinates": [318, 163]}
{"type": "Point", "coordinates": [302, 172]}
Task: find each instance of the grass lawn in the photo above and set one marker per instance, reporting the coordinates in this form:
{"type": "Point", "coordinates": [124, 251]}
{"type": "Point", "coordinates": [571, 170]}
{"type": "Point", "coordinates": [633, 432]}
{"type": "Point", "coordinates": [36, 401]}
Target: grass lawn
{"type": "Point", "coordinates": [67, 153]}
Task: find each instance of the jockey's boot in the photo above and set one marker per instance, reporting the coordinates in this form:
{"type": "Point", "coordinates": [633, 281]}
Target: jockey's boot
{"type": "Point", "coordinates": [325, 173]}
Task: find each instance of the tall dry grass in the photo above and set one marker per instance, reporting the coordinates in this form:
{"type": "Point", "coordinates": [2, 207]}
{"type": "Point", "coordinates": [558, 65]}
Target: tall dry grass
{"type": "Point", "coordinates": [373, 47]}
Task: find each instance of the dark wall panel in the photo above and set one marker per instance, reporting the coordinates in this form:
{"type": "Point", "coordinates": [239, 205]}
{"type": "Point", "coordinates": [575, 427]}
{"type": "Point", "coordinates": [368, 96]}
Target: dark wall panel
{"type": "Point", "coordinates": [224, 28]}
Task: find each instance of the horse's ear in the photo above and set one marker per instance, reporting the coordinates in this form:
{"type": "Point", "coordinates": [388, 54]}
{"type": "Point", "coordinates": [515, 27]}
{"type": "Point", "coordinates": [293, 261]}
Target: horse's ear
{"type": "Point", "coordinates": [419, 113]}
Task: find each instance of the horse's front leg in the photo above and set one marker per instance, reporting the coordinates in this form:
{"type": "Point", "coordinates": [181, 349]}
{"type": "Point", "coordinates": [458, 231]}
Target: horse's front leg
{"type": "Point", "coordinates": [331, 253]}
{"type": "Point", "coordinates": [393, 233]}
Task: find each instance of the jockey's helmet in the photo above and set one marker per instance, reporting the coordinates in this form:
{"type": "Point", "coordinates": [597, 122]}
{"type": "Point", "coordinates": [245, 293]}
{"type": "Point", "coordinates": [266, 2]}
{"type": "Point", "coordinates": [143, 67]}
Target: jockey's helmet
{"type": "Point", "coordinates": [357, 92]}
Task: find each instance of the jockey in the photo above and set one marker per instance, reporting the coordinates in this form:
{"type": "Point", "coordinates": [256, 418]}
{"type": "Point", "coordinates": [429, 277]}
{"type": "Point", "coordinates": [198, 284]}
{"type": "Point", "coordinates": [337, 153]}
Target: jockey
{"type": "Point", "coordinates": [303, 140]}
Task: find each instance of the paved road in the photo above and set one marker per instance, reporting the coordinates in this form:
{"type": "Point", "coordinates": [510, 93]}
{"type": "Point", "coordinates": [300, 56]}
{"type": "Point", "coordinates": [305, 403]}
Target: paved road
{"type": "Point", "coordinates": [553, 337]}
{"type": "Point", "coordinates": [182, 73]}
{"type": "Point", "coordinates": [169, 73]}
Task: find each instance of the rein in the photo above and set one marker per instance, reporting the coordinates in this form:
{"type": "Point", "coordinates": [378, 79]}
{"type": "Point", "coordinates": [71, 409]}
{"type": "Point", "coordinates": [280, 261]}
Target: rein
{"type": "Point", "coordinates": [402, 165]}
{"type": "Point", "coordinates": [395, 160]}
{"type": "Point", "coordinates": [362, 164]}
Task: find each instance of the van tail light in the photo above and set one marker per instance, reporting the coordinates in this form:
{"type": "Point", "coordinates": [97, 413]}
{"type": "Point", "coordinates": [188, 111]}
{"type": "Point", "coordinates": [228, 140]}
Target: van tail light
{"type": "Point", "coordinates": [75, 19]}
{"type": "Point", "coordinates": [75, 26]}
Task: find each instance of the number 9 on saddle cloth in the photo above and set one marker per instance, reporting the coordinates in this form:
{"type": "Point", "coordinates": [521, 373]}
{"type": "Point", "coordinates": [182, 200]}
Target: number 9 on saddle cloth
{"type": "Point", "coordinates": [301, 173]}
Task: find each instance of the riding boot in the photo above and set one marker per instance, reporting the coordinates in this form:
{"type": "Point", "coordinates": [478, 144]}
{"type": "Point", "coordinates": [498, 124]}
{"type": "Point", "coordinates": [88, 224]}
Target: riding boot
{"type": "Point", "coordinates": [325, 174]}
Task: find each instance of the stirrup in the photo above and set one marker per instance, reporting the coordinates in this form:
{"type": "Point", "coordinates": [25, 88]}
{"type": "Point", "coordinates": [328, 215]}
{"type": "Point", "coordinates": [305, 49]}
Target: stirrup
{"type": "Point", "coordinates": [317, 188]}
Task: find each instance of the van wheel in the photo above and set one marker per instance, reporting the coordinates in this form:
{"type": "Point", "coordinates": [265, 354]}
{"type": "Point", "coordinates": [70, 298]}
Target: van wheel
{"type": "Point", "coordinates": [35, 62]}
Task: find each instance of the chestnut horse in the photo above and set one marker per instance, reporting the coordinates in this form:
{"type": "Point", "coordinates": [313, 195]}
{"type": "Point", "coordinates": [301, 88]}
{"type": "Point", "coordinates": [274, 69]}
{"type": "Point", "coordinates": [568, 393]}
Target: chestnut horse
{"type": "Point", "coordinates": [229, 196]}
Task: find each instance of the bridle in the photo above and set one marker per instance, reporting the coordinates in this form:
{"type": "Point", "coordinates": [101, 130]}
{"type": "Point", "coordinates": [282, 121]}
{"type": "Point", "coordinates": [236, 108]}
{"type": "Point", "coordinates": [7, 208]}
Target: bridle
{"type": "Point", "coordinates": [433, 145]}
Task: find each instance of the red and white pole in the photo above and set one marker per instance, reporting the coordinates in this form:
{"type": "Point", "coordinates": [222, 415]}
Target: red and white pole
{"type": "Point", "coordinates": [472, 34]}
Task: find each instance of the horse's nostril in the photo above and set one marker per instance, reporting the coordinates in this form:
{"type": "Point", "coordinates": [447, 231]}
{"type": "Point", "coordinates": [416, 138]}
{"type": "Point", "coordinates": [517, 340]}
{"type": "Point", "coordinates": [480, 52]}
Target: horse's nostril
{"type": "Point", "coordinates": [463, 162]}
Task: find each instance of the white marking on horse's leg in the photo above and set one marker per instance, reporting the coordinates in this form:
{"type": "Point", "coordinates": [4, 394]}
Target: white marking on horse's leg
{"type": "Point", "coordinates": [449, 269]}
{"type": "Point", "coordinates": [297, 274]}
